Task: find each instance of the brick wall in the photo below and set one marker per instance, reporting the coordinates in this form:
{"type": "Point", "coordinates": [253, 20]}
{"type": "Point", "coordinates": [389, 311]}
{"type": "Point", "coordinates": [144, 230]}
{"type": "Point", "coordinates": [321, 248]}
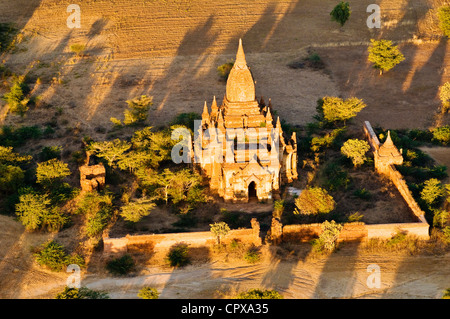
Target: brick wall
{"type": "Point", "coordinates": [193, 239]}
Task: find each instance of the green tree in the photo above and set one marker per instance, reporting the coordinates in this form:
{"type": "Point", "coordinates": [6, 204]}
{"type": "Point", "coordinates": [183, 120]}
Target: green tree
{"type": "Point", "coordinates": [341, 13]}
{"type": "Point", "coordinates": [133, 211]}
{"type": "Point", "coordinates": [328, 238]}
{"type": "Point", "coordinates": [34, 211]}
{"type": "Point", "coordinates": [334, 109]}
{"type": "Point", "coordinates": [384, 55]}
{"type": "Point", "coordinates": [137, 111]}
{"type": "Point", "coordinates": [278, 208]}
{"type": "Point", "coordinates": [442, 134]}
{"type": "Point", "coordinates": [148, 293]}
{"type": "Point", "coordinates": [314, 200]}
{"type": "Point", "coordinates": [18, 103]}
{"type": "Point", "coordinates": [53, 256]}
{"type": "Point", "coordinates": [356, 150]}
{"type": "Point", "coordinates": [259, 294]}
{"type": "Point", "coordinates": [444, 20]}
{"type": "Point", "coordinates": [432, 191]}
{"type": "Point", "coordinates": [8, 156]}
{"type": "Point", "coordinates": [441, 218]}
{"type": "Point", "coordinates": [111, 151]}
{"type": "Point", "coordinates": [51, 172]}
{"type": "Point", "coordinates": [219, 230]}
{"type": "Point", "coordinates": [11, 178]}
{"type": "Point", "coordinates": [97, 209]}
{"type": "Point", "coordinates": [176, 186]}
{"type": "Point", "coordinates": [158, 145]}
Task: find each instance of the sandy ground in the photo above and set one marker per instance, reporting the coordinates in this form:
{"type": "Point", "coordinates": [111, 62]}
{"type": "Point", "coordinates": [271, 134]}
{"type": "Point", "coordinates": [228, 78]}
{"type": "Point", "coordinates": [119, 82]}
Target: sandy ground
{"type": "Point", "coordinates": [170, 49]}
{"type": "Point", "coordinates": [342, 274]}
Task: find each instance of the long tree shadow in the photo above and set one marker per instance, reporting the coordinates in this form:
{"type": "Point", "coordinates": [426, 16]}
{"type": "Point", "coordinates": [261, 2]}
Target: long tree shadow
{"type": "Point", "coordinates": [338, 278]}
{"type": "Point", "coordinates": [283, 273]}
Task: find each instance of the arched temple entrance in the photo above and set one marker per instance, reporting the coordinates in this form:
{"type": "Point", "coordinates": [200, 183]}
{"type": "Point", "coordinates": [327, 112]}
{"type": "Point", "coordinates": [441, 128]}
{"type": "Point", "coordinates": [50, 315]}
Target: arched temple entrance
{"type": "Point", "coordinates": [252, 191]}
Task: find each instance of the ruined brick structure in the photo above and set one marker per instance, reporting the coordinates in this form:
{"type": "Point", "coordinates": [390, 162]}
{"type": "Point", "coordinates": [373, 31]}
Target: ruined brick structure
{"type": "Point", "coordinates": [92, 175]}
{"type": "Point", "coordinates": [238, 173]}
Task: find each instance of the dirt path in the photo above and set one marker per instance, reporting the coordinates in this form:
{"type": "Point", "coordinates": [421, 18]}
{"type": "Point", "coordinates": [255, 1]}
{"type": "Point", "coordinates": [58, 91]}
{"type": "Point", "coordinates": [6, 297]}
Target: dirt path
{"type": "Point", "coordinates": [342, 275]}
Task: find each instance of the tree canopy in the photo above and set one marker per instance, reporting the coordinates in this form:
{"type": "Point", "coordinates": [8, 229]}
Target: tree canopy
{"type": "Point", "coordinates": [341, 13]}
{"type": "Point", "coordinates": [334, 109]}
{"type": "Point", "coordinates": [384, 55]}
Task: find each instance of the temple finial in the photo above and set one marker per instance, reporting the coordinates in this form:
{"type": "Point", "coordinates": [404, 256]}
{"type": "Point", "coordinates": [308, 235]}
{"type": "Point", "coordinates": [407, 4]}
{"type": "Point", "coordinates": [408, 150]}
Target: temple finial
{"type": "Point", "coordinates": [240, 56]}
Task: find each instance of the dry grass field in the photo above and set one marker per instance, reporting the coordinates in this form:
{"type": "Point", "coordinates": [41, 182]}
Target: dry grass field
{"type": "Point", "coordinates": [170, 50]}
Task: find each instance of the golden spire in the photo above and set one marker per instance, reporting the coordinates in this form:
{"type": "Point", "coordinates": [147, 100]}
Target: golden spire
{"type": "Point", "coordinates": [240, 85]}
{"type": "Point", "coordinates": [205, 111]}
{"type": "Point", "coordinates": [269, 117]}
{"type": "Point", "coordinates": [240, 57]}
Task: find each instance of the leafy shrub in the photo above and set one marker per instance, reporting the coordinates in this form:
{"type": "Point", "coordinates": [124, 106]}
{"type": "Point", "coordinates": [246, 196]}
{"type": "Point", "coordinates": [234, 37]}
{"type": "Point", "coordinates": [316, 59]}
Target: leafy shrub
{"type": "Point", "coordinates": [11, 178]}
{"type": "Point", "coordinates": [63, 192]}
{"type": "Point", "coordinates": [224, 70]}
{"type": "Point", "coordinates": [398, 238]}
{"type": "Point", "coordinates": [16, 97]}
{"type": "Point", "coordinates": [329, 139]}
{"type": "Point", "coordinates": [328, 238]}
{"type": "Point", "coordinates": [314, 200]}
{"type": "Point", "coordinates": [336, 177]}
{"type": "Point", "coordinates": [7, 33]}
{"type": "Point", "coordinates": [51, 172]}
{"type": "Point", "coordinates": [121, 265]}
{"type": "Point", "coordinates": [34, 211]}
{"type": "Point", "coordinates": [54, 256]}
{"type": "Point", "coordinates": [335, 109]}
{"type": "Point", "coordinates": [341, 13]}
{"type": "Point", "coordinates": [219, 230]}
{"type": "Point", "coordinates": [178, 255]}
{"type": "Point", "coordinates": [432, 192]}
{"type": "Point", "coordinates": [137, 111]}
{"type": "Point", "coordinates": [148, 293]}
{"type": "Point", "coordinates": [278, 208]}
{"type": "Point", "coordinates": [77, 48]}
{"type": "Point", "coordinates": [98, 211]}
{"type": "Point", "coordinates": [259, 294]}
{"type": "Point", "coordinates": [444, 20]}
{"type": "Point", "coordinates": [252, 255]}
{"type": "Point", "coordinates": [442, 134]}
{"type": "Point", "coordinates": [356, 150]}
{"type": "Point", "coordinates": [133, 211]}
{"type": "Point", "coordinates": [13, 136]}
{"type": "Point", "coordinates": [444, 94]}
{"type": "Point", "coordinates": [81, 293]}
{"type": "Point", "coordinates": [384, 55]}
{"type": "Point", "coordinates": [355, 217]}
{"type": "Point", "coordinates": [441, 218]}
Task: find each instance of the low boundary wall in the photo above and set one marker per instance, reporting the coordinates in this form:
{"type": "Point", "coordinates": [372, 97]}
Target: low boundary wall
{"type": "Point", "coordinates": [193, 239]}
{"type": "Point", "coordinates": [353, 231]}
